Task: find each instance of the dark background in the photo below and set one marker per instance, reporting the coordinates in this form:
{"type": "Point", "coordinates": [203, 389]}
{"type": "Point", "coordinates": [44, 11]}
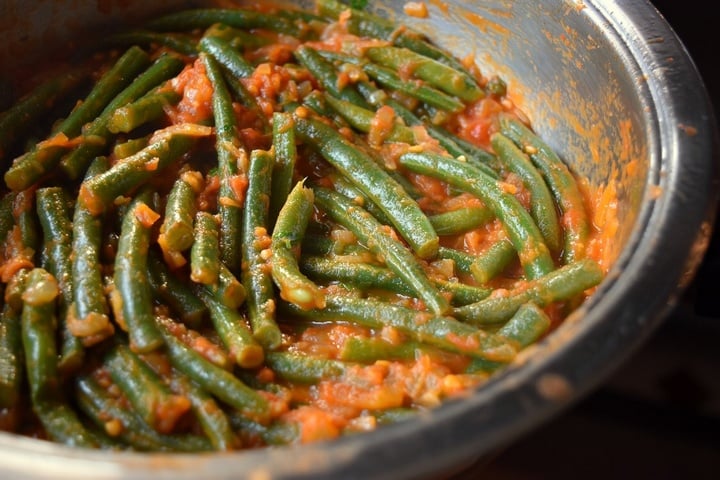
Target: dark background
{"type": "Point", "coordinates": [658, 416]}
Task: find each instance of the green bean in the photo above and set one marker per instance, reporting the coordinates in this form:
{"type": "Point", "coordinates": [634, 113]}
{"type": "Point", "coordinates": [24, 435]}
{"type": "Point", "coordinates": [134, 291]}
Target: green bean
{"type": "Point", "coordinates": [32, 106]}
{"type": "Point", "coordinates": [97, 135]}
{"type": "Point", "coordinates": [286, 239]}
{"type": "Point", "coordinates": [277, 433]}
{"type": "Point", "coordinates": [562, 184]}
{"type": "Point", "coordinates": [233, 331]}
{"type": "Point", "coordinates": [370, 350]}
{"type": "Point", "coordinates": [130, 147]}
{"type": "Point", "coordinates": [445, 333]}
{"type": "Point", "coordinates": [221, 383]}
{"type": "Point", "coordinates": [526, 326]}
{"type": "Point", "coordinates": [462, 260]}
{"type": "Point", "coordinates": [366, 276]}
{"type": "Point", "coordinates": [256, 274]}
{"type": "Point", "coordinates": [146, 391]}
{"type": "Point", "coordinates": [542, 206]}
{"type": "Point", "coordinates": [30, 167]}
{"type": "Point", "coordinates": [424, 93]}
{"type": "Point", "coordinates": [213, 420]}
{"type": "Point", "coordinates": [362, 119]}
{"type": "Point", "coordinates": [227, 56]}
{"type": "Point", "coordinates": [305, 369]}
{"type": "Point", "coordinates": [366, 24]}
{"type": "Point", "coordinates": [135, 309]}
{"type": "Point", "coordinates": [174, 292]}
{"type": "Point", "coordinates": [11, 358]}
{"type": "Point", "coordinates": [228, 290]}
{"type": "Point", "coordinates": [176, 231]}
{"type": "Point", "coordinates": [373, 181]}
{"type": "Point", "coordinates": [89, 318]}
{"type": "Point", "coordinates": [167, 146]}
{"type": "Point", "coordinates": [180, 43]}
{"type": "Point", "coordinates": [562, 284]}
{"type": "Point", "coordinates": [461, 220]}
{"type": "Point", "coordinates": [52, 203]}
{"type": "Point", "coordinates": [493, 260]}
{"type": "Point", "coordinates": [374, 235]}
{"type": "Point", "coordinates": [143, 110]}
{"type": "Point", "coordinates": [228, 149]}
{"type": "Point", "coordinates": [476, 156]}
{"type": "Point", "coordinates": [347, 188]}
{"type": "Point", "coordinates": [63, 425]}
{"type": "Point", "coordinates": [283, 142]}
{"type": "Point", "coordinates": [111, 415]}
{"type": "Point", "coordinates": [326, 75]}
{"type": "Point", "coordinates": [437, 74]}
{"type": "Point", "coordinates": [235, 37]}
{"type": "Point", "coordinates": [206, 17]}
{"type": "Point", "coordinates": [519, 225]}
{"type": "Point", "coordinates": [205, 251]}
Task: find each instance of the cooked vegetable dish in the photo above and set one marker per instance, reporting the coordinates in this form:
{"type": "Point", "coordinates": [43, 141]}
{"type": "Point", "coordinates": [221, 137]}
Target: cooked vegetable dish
{"type": "Point", "coordinates": [230, 228]}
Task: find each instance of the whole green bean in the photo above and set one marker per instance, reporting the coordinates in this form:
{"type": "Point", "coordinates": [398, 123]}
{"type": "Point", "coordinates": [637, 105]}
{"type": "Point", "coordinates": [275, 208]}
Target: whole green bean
{"type": "Point", "coordinates": [256, 274]}
{"type": "Point", "coordinates": [132, 291]}
{"type": "Point", "coordinates": [366, 24]}
{"type": "Point", "coordinates": [366, 276]}
{"type": "Point", "coordinates": [424, 93]}
{"type": "Point", "coordinates": [167, 146]}
{"type": "Point", "coordinates": [146, 391]}
{"type": "Point", "coordinates": [519, 225]}
{"type": "Point", "coordinates": [562, 284]}
{"type": "Point", "coordinates": [41, 361]}
{"type": "Point", "coordinates": [206, 17]}
{"type": "Point", "coordinates": [221, 383]}
{"type": "Point", "coordinates": [437, 74]}
{"type": "Point", "coordinates": [97, 135]}
{"type": "Point", "coordinates": [233, 331]}
{"type": "Point", "coordinates": [374, 235]}
{"type": "Point", "coordinates": [30, 167]}
{"type": "Point", "coordinates": [55, 219]}
{"type": "Point", "coordinates": [358, 167]}
{"type": "Point", "coordinates": [89, 318]}
{"type": "Point", "coordinates": [443, 332]}
{"type": "Point", "coordinates": [285, 241]}
{"type": "Point", "coordinates": [562, 184]}
{"type": "Point", "coordinates": [542, 206]}
{"type": "Point", "coordinates": [228, 148]}
{"type": "Point", "coordinates": [105, 410]}
{"type": "Point", "coordinates": [226, 55]}
{"type": "Point", "coordinates": [326, 75]}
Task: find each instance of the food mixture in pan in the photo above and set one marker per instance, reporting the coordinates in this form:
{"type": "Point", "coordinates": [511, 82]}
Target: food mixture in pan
{"type": "Point", "coordinates": [230, 228]}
